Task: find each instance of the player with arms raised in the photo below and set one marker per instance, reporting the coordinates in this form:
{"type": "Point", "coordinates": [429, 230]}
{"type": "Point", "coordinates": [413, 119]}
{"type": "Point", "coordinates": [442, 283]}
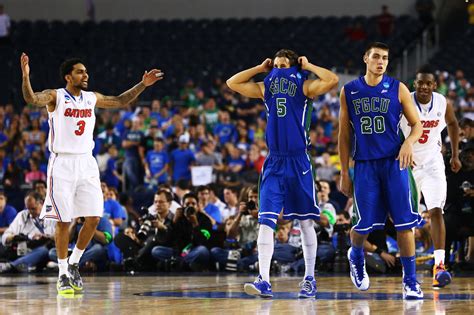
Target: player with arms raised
{"type": "Point", "coordinates": [73, 175]}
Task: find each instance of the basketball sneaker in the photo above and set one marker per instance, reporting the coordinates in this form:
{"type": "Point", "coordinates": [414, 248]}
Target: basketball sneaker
{"type": "Point", "coordinates": [308, 288]}
{"type": "Point", "coordinates": [64, 286]}
{"type": "Point", "coordinates": [75, 277]}
{"type": "Point", "coordinates": [259, 288]}
{"type": "Point", "coordinates": [359, 275]}
{"type": "Point", "coordinates": [441, 277]}
{"type": "Point", "coordinates": [412, 289]}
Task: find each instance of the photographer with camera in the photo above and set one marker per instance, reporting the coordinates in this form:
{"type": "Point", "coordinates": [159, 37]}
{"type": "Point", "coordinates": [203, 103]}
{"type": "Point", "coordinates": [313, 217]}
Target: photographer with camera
{"type": "Point", "coordinates": [155, 229]}
{"type": "Point", "coordinates": [190, 233]}
{"type": "Point", "coordinates": [28, 238]}
{"type": "Point", "coordinates": [459, 209]}
{"type": "Point", "coordinates": [241, 235]}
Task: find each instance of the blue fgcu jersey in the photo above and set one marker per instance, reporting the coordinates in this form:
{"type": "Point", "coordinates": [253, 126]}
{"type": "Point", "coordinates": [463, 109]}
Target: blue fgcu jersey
{"type": "Point", "coordinates": [375, 113]}
{"type": "Point", "coordinates": [288, 110]}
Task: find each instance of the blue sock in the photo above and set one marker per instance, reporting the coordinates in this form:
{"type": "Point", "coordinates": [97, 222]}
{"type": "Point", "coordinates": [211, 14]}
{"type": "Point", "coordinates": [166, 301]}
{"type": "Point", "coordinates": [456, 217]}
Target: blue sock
{"type": "Point", "coordinates": [357, 252]}
{"type": "Point", "coordinates": [409, 267]}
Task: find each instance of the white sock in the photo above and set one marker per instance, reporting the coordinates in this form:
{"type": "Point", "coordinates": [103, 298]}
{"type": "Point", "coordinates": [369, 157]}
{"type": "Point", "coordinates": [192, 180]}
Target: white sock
{"type": "Point", "coordinates": [310, 246]}
{"type": "Point", "coordinates": [439, 256]}
{"type": "Point", "coordinates": [76, 255]}
{"type": "Point", "coordinates": [62, 264]}
{"type": "Point", "coordinates": [265, 250]}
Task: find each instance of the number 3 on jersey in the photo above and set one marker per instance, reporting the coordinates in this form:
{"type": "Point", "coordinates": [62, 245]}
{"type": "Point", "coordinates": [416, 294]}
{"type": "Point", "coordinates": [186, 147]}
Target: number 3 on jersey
{"type": "Point", "coordinates": [424, 136]}
{"type": "Point", "coordinates": [81, 125]}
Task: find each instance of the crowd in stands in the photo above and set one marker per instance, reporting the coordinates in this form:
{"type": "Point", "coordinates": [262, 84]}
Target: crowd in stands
{"type": "Point", "coordinates": [155, 219]}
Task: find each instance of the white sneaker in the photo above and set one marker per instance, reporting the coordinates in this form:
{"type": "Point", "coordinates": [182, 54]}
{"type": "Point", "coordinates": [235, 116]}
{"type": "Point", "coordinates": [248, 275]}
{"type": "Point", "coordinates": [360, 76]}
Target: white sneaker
{"type": "Point", "coordinates": [412, 290]}
{"type": "Point", "coordinates": [359, 275]}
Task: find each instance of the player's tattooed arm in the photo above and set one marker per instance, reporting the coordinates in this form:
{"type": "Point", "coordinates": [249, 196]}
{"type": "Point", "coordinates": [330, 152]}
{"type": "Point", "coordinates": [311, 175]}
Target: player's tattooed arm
{"type": "Point", "coordinates": [47, 97]}
{"type": "Point", "coordinates": [149, 78]}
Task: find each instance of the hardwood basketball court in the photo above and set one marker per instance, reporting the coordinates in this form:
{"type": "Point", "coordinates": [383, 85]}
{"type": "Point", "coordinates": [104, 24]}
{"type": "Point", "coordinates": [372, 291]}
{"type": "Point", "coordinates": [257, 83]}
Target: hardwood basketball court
{"type": "Point", "coordinates": [223, 294]}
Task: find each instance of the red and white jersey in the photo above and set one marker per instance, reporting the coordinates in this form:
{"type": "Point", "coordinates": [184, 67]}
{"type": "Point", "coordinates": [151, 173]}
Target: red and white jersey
{"type": "Point", "coordinates": [433, 122]}
{"type": "Point", "coordinates": [71, 125]}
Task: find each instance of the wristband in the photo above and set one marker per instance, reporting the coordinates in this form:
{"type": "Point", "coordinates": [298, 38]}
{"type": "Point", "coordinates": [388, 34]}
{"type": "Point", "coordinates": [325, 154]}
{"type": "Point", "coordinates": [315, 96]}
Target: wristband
{"type": "Point", "coordinates": [108, 237]}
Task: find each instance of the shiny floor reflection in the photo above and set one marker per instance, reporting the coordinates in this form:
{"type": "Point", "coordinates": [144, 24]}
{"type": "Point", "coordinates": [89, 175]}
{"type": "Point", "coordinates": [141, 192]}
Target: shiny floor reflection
{"type": "Point", "coordinates": [218, 294]}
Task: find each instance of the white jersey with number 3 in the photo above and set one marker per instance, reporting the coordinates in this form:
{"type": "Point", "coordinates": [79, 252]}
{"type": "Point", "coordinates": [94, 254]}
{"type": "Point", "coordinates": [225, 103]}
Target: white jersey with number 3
{"type": "Point", "coordinates": [433, 122]}
{"type": "Point", "coordinates": [71, 124]}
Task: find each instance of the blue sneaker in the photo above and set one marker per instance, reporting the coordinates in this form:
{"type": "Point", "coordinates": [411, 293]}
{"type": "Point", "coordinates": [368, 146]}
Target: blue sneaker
{"type": "Point", "coordinates": [359, 275]}
{"type": "Point", "coordinates": [308, 288]}
{"type": "Point", "coordinates": [412, 289]}
{"type": "Point", "coordinates": [259, 288]}
{"type": "Point", "coordinates": [441, 277]}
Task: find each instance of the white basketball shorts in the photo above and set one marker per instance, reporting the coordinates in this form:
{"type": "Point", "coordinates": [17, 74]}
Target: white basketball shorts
{"type": "Point", "coordinates": [431, 181]}
{"type": "Point", "coordinates": [73, 188]}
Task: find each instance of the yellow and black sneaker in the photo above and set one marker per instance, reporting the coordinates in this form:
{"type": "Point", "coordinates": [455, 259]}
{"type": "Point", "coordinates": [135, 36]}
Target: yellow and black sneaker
{"type": "Point", "coordinates": [64, 286]}
{"type": "Point", "coordinates": [75, 278]}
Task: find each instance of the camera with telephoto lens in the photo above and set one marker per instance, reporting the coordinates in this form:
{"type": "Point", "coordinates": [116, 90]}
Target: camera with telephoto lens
{"type": "Point", "coordinates": [189, 211]}
{"type": "Point", "coordinates": [146, 226]}
{"type": "Point", "coordinates": [249, 206]}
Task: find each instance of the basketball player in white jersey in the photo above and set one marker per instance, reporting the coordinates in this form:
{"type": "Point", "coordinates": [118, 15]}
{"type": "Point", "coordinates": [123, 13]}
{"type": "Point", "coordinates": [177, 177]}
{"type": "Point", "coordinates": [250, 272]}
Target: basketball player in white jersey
{"type": "Point", "coordinates": [73, 175]}
{"type": "Point", "coordinates": [435, 114]}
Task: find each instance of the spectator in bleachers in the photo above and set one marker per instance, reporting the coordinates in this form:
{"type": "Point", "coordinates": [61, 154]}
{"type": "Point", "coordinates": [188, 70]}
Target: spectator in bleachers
{"type": "Point", "coordinates": [181, 160]}
{"type": "Point", "coordinates": [7, 213]}
{"type": "Point", "coordinates": [209, 209]}
{"type": "Point", "coordinates": [232, 202]}
{"type": "Point", "coordinates": [113, 211]}
{"type": "Point", "coordinates": [385, 23]}
{"type": "Point", "coordinates": [134, 155]}
{"type": "Point", "coordinates": [213, 197]}
{"type": "Point", "coordinates": [109, 136]}
{"type": "Point", "coordinates": [208, 157]}
{"type": "Point", "coordinates": [467, 105]}
{"type": "Point", "coordinates": [255, 159]}
{"type": "Point", "coordinates": [40, 187]}
{"type": "Point", "coordinates": [156, 165]}
{"type": "Point", "coordinates": [111, 175]}
{"type": "Point", "coordinates": [210, 114]}
{"type": "Point", "coordinates": [28, 238]}
{"type": "Point", "coordinates": [324, 169]}
{"type": "Point", "coordinates": [356, 32]}
{"type": "Point", "coordinates": [224, 130]}
{"type": "Point", "coordinates": [34, 138]}
{"type": "Point", "coordinates": [442, 87]}
{"type": "Point", "coordinates": [34, 174]}
{"type": "Point", "coordinates": [190, 234]}
{"type": "Point", "coordinates": [241, 233]}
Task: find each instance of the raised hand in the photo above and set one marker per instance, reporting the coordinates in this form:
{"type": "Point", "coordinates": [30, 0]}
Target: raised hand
{"type": "Point", "coordinates": [150, 77]}
{"type": "Point", "coordinates": [24, 62]}
{"type": "Point", "coordinates": [303, 61]}
{"type": "Point", "coordinates": [266, 65]}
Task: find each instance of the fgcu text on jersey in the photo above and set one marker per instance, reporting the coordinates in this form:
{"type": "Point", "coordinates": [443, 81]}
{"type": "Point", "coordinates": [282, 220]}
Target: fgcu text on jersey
{"type": "Point", "coordinates": [375, 113]}
{"type": "Point", "coordinates": [288, 110]}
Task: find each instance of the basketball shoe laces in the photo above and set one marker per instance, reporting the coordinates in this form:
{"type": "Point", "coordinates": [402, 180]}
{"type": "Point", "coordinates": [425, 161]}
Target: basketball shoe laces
{"type": "Point", "coordinates": [359, 264]}
{"type": "Point", "coordinates": [306, 285]}
{"type": "Point", "coordinates": [412, 283]}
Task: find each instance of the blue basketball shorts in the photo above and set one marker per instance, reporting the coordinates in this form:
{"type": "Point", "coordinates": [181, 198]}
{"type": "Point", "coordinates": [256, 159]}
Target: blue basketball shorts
{"type": "Point", "coordinates": [381, 188]}
{"type": "Point", "coordinates": [287, 183]}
